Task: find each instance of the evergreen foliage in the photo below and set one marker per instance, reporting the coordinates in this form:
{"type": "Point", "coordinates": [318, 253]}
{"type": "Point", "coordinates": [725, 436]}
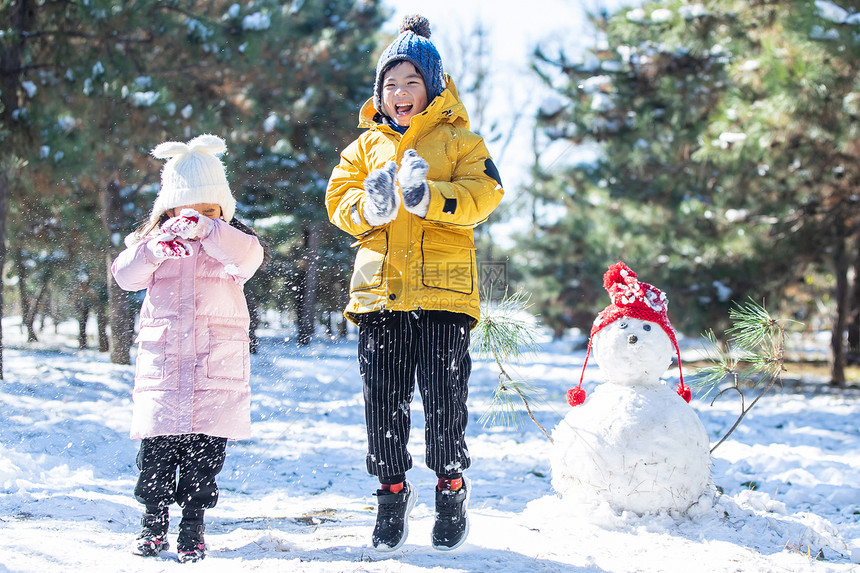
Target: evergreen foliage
{"type": "Point", "coordinates": [726, 158]}
{"type": "Point", "coordinates": [101, 83]}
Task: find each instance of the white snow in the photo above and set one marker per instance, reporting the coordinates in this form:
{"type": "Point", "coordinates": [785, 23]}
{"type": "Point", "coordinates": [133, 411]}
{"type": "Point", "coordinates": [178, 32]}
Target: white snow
{"type": "Point", "coordinates": [692, 11]}
{"type": "Point", "coordinates": [30, 88]}
{"type": "Point", "coordinates": [256, 21]}
{"type": "Point", "coordinates": [144, 99]}
{"type": "Point", "coordinates": [819, 33]}
{"type": "Point", "coordinates": [270, 123]}
{"type": "Point", "coordinates": [637, 15]}
{"type": "Point", "coordinates": [296, 496]}
{"type": "Point", "coordinates": [830, 11]}
{"type": "Point", "coordinates": [66, 123]}
{"type": "Point", "coordinates": [728, 137]}
{"type": "Point", "coordinates": [662, 15]}
{"type": "Point", "coordinates": [595, 84]}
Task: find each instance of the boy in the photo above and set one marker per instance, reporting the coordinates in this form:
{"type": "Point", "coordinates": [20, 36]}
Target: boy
{"type": "Point", "coordinates": [411, 188]}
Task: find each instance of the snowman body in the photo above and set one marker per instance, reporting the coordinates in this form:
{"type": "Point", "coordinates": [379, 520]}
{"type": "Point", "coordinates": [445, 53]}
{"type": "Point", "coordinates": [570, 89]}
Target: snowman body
{"type": "Point", "coordinates": [633, 443]}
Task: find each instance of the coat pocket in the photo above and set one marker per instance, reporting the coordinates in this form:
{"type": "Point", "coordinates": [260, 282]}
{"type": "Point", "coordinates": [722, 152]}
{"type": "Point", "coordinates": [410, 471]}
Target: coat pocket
{"type": "Point", "coordinates": [228, 360]}
{"type": "Point", "coordinates": [150, 370]}
{"type": "Point", "coordinates": [369, 262]}
{"type": "Point", "coordinates": [448, 261]}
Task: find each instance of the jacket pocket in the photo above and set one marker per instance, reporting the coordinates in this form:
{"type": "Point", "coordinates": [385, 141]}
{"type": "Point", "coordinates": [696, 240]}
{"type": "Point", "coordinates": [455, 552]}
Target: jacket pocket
{"type": "Point", "coordinates": [369, 261]}
{"type": "Point", "coordinates": [150, 370]}
{"type": "Point", "coordinates": [448, 260]}
{"type": "Point", "coordinates": [228, 359]}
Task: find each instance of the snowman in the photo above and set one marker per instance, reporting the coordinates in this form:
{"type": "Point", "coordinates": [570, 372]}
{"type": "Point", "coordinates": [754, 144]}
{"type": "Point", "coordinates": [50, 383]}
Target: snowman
{"type": "Point", "coordinates": [634, 442]}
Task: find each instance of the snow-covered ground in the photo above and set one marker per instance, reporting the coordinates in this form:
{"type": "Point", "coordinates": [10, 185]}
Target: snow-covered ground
{"type": "Point", "coordinates": [296, 497]}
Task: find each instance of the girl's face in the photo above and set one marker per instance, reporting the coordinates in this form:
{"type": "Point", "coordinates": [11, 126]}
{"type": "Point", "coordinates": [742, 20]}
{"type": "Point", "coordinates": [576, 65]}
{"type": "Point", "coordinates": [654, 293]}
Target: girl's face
{"type": "Point", "coordinates": [404, 94]}
{"type": "Point", "coordinates": [211, 210]}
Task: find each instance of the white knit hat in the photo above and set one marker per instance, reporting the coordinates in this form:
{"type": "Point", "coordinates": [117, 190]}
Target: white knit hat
{"type": "Point", "coordinates": [193, 174]}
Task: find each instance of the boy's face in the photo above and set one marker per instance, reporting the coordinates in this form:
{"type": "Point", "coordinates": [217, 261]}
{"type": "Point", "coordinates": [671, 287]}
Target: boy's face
{"type": "Point", "coordinates": [404, 94]}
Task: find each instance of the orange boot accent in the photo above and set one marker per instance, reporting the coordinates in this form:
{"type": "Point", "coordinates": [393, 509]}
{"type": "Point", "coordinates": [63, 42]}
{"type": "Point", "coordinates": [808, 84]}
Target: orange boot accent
{"type": "Point", "coordinates": [449, 484]}
{"type": "Point", "coordinates": [393, 487]}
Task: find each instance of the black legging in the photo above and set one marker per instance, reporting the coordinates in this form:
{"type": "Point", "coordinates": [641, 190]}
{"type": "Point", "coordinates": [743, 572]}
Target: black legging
{"type": "Point", "coordinates": [394, 350]}
{"type": "Point", "coordinates": [199, 459]}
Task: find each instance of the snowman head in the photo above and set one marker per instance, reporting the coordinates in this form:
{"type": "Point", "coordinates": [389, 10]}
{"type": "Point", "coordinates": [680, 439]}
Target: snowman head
{"type": "Point", "coordinates": [630, 299]}
{"type": "Point", "coordinates": [632, 351]}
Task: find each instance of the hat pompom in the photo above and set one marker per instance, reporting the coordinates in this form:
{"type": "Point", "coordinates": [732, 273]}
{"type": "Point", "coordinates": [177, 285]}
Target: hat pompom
{"type": "Point", "coordinates": [617, 274]}
{"type": "Point", "coordinates": [208, 143]}
{"type": "Point", "coordinates": [576, 396]}
{"type": "Point", "coordinates": [416, 24]}
{"type": "Point", "coordinates": [170, 149]}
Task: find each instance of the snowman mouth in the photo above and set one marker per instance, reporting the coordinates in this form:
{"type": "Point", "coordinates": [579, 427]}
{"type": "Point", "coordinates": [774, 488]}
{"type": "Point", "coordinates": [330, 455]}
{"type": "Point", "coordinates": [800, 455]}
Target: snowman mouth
{"type": "Point", "coordinates": [632, 339]}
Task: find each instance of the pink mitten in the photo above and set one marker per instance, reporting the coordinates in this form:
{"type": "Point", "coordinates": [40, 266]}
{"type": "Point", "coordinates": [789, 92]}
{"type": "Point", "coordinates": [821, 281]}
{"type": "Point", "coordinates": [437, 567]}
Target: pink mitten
{"type": "Point", "coordinates": [189, 225]}
{"type": "Point", "coordinates": [167, 246]}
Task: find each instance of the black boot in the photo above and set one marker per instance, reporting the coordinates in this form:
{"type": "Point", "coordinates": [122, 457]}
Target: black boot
{"type": "Point", "coordinates": [452, 524]}
{"type": "Point", "coordinates": [392, 516]}
{"type": "Point", "coordinates": [190, 546]}
{"type": "Point", "coordinates": [153, 534]}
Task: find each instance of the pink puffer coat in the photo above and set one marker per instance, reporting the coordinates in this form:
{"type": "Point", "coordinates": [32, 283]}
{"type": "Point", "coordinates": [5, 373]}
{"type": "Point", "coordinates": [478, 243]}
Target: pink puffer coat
{"type": "Point", "coordinates": [193, 360]}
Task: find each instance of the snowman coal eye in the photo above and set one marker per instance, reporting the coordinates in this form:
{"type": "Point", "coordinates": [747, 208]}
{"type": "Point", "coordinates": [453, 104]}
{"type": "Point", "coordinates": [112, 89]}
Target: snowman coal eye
{"type": "Point", "coordinates": [646, 327]}
{"type": "Point", "coordinates": [622, 325]}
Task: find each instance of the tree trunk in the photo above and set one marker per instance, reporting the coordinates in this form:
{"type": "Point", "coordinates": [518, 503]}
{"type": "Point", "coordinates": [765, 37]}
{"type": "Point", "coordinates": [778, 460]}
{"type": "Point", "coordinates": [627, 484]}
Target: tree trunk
{"type": "Point", "coordinates": [44, 289]}
{"type": "Point", "coordinates": [854, 320]}
{"type": "Point", "coordinates": [4, 194]}
{"type": "Point", "coordinates": [120, 315]}
{"type": "Point", "coordinates": [840, 320]}
{"type": "Point", "coordinates": [28, 313]}
{"type": "Point", "coordinates": [306, 310]}
{"type": "Point", "coordinates": [82, 312]}
{"type": "Point", "coordinates": [328, 324]}
{"type": "Point", "coordinates": [102, 324]}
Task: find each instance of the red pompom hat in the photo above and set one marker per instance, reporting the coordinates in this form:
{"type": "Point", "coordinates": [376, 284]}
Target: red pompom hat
{"type": "Point", "coordinates": [633, 299]}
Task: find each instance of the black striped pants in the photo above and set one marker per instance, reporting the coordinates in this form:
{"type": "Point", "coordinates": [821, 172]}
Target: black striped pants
{"type": "Point", "coordinates": [394, 350]}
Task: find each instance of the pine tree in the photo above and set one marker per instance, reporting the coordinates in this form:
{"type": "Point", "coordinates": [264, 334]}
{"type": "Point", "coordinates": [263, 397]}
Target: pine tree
{"type": "Point", "coordinates": [98, 84]}
{"type": "Point", "coordinates": [727, 151]}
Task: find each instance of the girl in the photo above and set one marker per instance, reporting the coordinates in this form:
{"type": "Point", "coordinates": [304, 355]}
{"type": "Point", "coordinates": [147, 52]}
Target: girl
{"type": "Point", "coordinates": [191, 391]}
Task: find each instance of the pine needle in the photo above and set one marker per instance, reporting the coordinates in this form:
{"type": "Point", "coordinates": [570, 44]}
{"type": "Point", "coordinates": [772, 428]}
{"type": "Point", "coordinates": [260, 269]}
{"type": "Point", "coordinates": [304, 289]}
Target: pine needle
{"type": "Point", "coordinates": [755, 354]}
{"type": "Point", "coordinates": [506, 409]}
{"type": "Point", "coordinates": [505, 332]}
{"type": "Point", "coordinates": [752, 325]}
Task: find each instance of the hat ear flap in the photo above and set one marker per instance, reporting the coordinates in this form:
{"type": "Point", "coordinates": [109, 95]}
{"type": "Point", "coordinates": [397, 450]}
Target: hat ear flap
{"type": "Point", "coordinates": [208, 143]}
{"type": "Point", "coordinates": [169, 149]}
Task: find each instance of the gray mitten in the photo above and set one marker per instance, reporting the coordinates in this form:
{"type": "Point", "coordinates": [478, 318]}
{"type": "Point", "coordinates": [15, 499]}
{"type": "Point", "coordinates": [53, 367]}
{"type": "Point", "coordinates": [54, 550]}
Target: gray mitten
{"type": "Point", "coordinates": [413, 183]}
{"type": "Point", "coordinates": [381, 202]}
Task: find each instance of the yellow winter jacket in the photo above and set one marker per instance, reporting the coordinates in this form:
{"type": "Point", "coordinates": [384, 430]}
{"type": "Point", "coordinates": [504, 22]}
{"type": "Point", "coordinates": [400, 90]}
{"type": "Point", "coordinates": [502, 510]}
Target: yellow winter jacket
{"type": "Point", "coordinates": [415, 262]}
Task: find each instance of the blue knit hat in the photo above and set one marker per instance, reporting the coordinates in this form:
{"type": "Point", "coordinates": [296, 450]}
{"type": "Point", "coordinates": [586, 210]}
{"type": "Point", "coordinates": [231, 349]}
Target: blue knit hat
{"type": "Point", "coordinates": [412, 45]}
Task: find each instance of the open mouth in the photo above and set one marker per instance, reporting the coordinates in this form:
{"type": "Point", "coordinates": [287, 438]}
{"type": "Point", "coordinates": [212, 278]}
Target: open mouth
{"type": "Point", "coordinates": [402, 109]}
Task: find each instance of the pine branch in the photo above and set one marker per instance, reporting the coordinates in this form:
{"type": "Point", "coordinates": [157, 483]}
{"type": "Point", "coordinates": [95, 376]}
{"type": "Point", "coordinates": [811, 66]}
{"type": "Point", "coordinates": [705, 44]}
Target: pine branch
{"type": "Point", "coordinates": [756, 340]}
{"type": "Point", "coordinates": [503, 334]}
